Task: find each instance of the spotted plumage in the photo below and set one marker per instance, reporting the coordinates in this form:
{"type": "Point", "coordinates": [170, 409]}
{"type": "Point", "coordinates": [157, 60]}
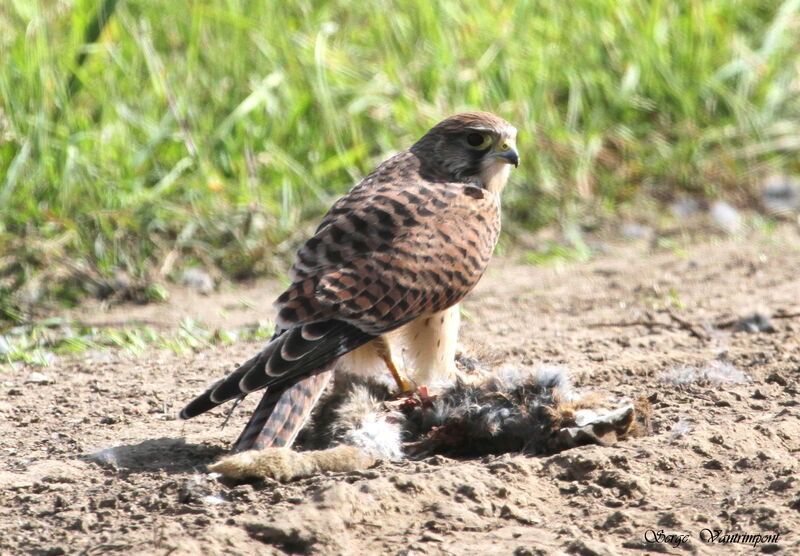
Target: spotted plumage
{"type": "Point", "coordinates": [380, 279]}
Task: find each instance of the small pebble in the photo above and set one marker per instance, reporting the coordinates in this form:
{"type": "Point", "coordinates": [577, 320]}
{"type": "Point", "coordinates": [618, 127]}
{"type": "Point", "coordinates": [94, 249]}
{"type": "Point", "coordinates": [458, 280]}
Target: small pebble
{"type": "Point", "coordinates": [726, 217]}
{"type": "Point", "coordinates": [632, 231]}
{"type": "Point", "coordinates": [199, 280]}
{"type": "Point", "coordinates": [37, 378]}
{"type": "Point", "coordinates": [684, 207]}
{"type": "Point", "coordinates": [781, 194]}
{"type": "Point", "coordinates": [755, 323]}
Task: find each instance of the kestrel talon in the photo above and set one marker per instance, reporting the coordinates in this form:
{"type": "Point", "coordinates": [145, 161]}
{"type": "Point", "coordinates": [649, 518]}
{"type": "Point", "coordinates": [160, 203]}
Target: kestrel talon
{"type": "Point", "coordinates": [378, 285]}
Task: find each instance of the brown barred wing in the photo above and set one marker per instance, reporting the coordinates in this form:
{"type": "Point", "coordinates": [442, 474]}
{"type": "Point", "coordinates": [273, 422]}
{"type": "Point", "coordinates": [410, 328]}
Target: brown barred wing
{"type": "Point", "coordinates": [401, 255]}
{"type": "Point", "coordinates": [404, 253]}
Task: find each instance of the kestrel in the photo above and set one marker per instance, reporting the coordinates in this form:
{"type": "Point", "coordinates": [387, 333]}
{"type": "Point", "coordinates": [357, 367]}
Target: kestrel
{"type": "Point", "coordinates": [381, 279]}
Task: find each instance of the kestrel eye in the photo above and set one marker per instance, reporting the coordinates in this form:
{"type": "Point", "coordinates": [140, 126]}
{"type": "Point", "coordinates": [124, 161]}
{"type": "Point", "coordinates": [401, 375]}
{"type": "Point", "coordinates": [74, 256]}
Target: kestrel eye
{"type": "Point", "coordinates": [478, 140]}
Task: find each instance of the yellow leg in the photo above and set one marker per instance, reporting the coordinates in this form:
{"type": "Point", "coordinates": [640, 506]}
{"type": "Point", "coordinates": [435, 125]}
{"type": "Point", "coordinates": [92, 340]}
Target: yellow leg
{"type": "Point", "coordinates": [382, 348]}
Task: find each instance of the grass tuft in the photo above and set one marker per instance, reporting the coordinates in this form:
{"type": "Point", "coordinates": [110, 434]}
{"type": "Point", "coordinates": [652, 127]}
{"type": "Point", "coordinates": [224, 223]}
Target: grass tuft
{"type": "Point", "coordinates": [42, 343]}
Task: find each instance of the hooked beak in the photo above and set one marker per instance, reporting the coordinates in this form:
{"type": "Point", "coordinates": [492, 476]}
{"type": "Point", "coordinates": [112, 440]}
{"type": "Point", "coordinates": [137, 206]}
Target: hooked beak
{"type": "Point", "coordinates": [508, 155]}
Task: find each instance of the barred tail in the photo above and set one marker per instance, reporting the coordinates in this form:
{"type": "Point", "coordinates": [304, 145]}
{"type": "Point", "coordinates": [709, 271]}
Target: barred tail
{"type": "Point", "coordinates": [282, 413]}
{"type": "Point", "coordinates": [295, 367]}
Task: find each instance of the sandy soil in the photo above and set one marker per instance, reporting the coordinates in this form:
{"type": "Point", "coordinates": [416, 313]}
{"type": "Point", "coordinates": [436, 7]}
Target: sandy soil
{"type": "Point", "coordinates": [96, 462]}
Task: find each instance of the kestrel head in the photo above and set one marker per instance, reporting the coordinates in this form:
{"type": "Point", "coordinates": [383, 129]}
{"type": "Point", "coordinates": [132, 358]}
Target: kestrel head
{"type": "Point", "coordinates": [475, 147]}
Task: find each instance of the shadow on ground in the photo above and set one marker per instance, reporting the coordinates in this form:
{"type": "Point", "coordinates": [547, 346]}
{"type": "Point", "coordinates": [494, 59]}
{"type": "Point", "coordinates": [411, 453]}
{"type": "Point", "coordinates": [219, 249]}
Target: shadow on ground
{"type": "Point", "coordinates": [172, 455]}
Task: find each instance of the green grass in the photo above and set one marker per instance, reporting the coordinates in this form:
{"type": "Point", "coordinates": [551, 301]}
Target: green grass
{"type": "Point", "coordinates": [212, 132]}
{"type": "Point", "coordinates": [41, 343]}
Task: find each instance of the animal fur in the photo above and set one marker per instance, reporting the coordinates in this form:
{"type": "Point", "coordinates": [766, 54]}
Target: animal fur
{"type": "Point", "coordinates": [284, 464]}
{"type": "Point", "coordinates": [516, 410]}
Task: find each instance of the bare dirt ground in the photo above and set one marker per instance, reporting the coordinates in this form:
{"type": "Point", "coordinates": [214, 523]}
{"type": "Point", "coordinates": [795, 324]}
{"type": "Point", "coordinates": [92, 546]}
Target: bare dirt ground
{"type": "Point", "coordinates": [96, 461]}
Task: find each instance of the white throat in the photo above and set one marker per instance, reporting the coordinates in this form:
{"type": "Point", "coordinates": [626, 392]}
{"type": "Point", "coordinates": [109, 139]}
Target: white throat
{"type": "Point", "coordinates": [494, 175]}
